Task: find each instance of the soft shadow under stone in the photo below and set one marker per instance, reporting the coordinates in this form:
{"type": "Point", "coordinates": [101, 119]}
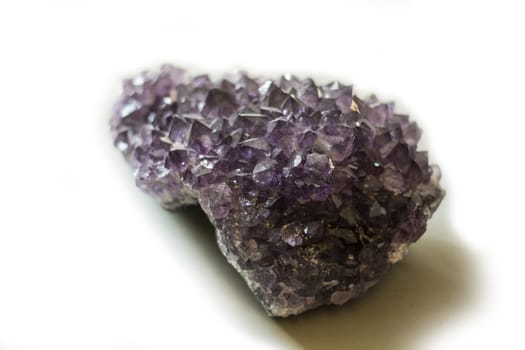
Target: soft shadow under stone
{"type": "Point", "coordinates": [435, 281]}
{"type": "Point", "coordinates": [202, 233]}
{"type": "Point", "coordinates": [420, 292]}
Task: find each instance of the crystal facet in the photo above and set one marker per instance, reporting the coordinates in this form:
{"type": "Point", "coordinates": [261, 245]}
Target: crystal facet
{"type": "Point", "coordinates": [314, 192]}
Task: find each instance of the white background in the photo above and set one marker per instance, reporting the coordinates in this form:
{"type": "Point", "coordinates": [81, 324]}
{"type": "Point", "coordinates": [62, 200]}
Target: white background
{"type": "Point", "coordinates": [89, 262]}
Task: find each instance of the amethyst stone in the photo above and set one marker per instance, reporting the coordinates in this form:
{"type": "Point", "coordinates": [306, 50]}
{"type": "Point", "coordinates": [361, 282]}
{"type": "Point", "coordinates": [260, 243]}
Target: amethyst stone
{"type": "Point", "coordinates": [314, 192]}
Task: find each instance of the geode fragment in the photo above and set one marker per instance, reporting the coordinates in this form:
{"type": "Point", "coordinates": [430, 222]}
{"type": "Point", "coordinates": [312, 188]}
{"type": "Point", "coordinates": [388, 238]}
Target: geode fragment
{"type": "Point", "coordinates": [314, 193]}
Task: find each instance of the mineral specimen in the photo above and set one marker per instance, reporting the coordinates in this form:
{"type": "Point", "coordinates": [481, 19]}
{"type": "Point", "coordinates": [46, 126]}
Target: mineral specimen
{"type": "Point", "coordinates": [314, 192]}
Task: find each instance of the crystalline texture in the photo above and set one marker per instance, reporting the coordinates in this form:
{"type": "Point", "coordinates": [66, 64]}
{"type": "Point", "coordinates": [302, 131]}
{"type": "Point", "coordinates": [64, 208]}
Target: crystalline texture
{"type": "Point", "coordinates": [314, 192]}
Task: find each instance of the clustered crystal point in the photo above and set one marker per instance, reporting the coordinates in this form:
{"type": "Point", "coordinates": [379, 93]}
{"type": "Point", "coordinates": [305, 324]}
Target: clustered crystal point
{"type": "Point", "coordinates": [314, 193]}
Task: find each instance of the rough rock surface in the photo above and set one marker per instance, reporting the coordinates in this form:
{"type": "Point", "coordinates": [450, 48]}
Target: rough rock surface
{"type": "Point", "coordinates": [314, 192]}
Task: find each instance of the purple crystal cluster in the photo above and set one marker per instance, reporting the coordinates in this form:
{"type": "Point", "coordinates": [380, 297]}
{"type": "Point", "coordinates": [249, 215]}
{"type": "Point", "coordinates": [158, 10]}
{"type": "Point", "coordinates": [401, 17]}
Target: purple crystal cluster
{"type": "Point", "coordinates": [314, 193]}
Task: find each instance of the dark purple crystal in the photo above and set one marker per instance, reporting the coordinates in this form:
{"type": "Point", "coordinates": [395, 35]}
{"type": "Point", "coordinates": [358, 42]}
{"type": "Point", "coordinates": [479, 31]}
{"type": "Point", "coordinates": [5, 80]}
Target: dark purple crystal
{"type": "Point", "coordinates": [314, 192]}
